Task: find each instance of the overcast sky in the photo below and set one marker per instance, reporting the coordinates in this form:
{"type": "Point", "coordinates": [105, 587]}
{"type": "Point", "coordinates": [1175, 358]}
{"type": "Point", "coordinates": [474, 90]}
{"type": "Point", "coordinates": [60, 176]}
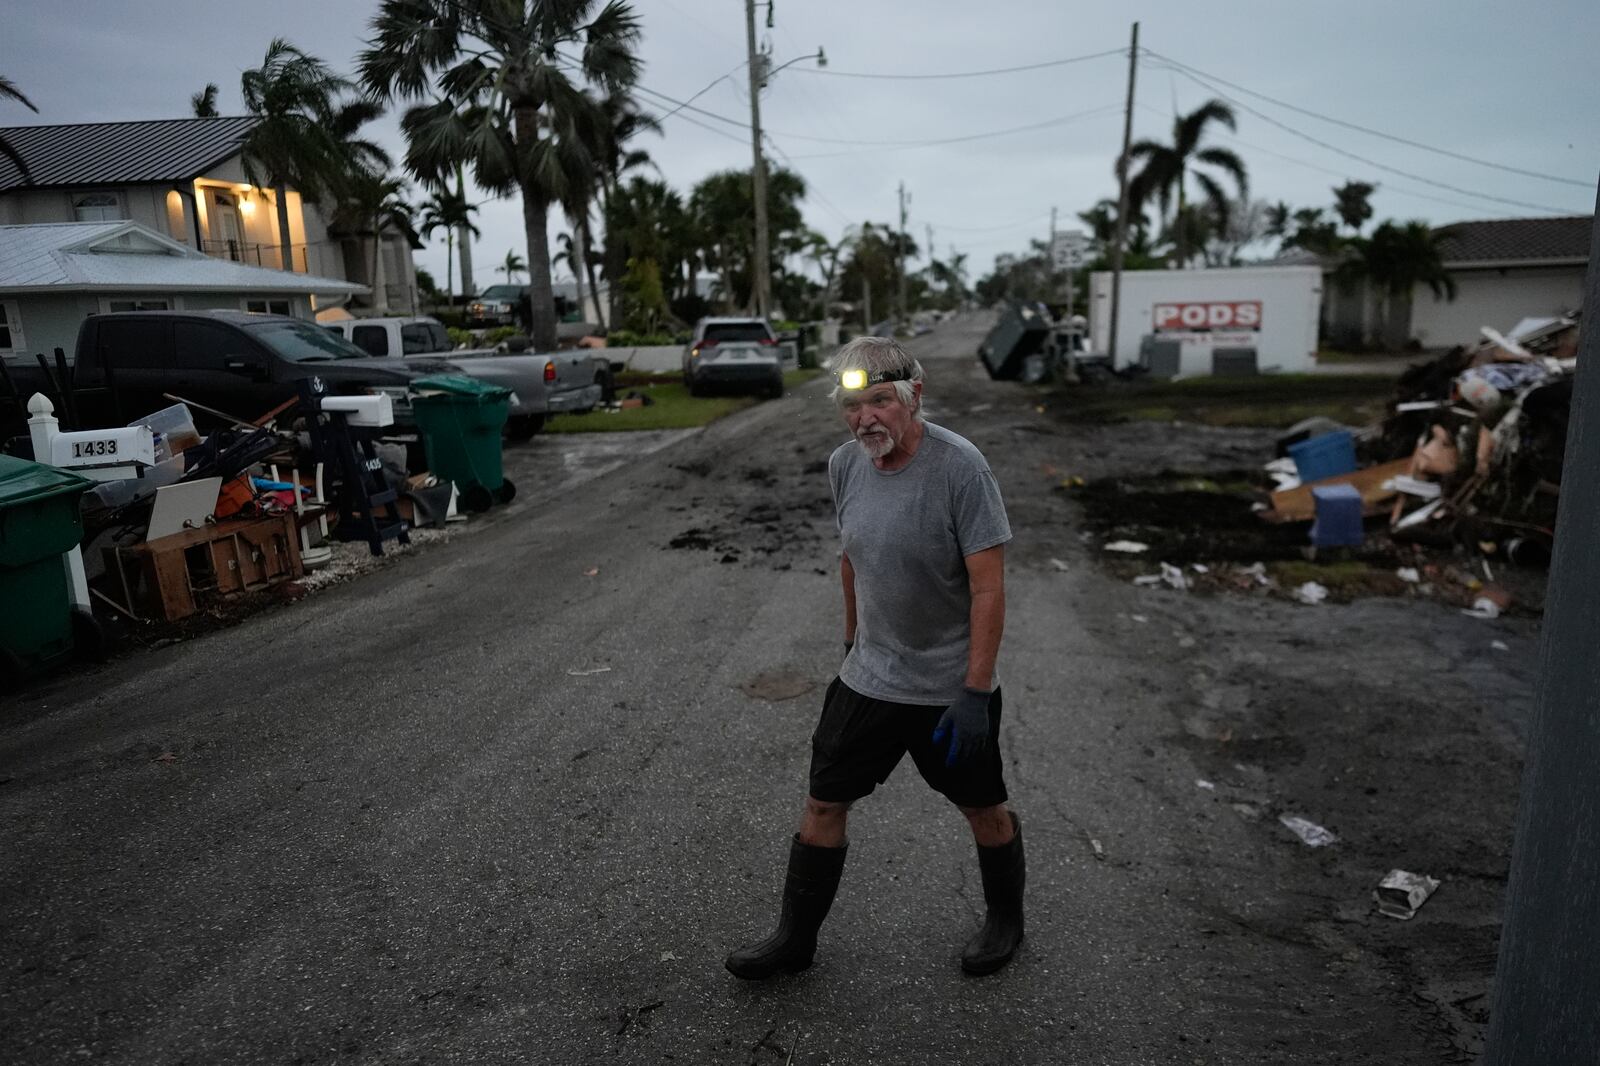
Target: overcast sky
{"type": "Point", "coordinates": [1512, 84]}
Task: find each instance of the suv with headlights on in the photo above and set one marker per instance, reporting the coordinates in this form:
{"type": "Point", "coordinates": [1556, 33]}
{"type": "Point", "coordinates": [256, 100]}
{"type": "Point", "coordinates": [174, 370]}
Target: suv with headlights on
{"type": "Point", "coordinates": [739, 353]}
{"type": "Point", "coordinates": [499, 305]}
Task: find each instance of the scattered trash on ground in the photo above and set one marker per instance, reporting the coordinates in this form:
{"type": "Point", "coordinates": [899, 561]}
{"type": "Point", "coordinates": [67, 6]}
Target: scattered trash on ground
{"type": "Point", "coordinates": [1401, 894]}
{"type": "Point", "coordinates": [1310, 833]}
{"type": "Point", "coordinates": [590, 672]}
{"type": "Point", "coordinates": [1059, 565]}
{"type": "Point", "coordinates": [1311, 593]}
{"type": "Point", "coordinates": [1130, 547]}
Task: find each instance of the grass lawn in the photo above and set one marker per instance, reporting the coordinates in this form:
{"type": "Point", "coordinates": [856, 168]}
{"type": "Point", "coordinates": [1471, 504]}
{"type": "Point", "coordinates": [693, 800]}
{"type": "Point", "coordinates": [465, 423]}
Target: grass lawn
{"type": "Point", "coordinates": [673, 408]}
{"type": "Point", "coordinates": [1268, 400]}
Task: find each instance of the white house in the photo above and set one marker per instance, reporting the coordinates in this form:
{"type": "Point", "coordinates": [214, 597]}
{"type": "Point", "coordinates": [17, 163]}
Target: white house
{"type": "Point", "coordinates": [55, 274]}
{"type": "Point", "coordinates": [184, 179]}
{"type": "Point", "coordinates": [1504, 270]}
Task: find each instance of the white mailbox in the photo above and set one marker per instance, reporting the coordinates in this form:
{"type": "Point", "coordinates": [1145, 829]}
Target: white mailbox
{"type": "Point", "coordinates": [363, 410]}
{"type": "Point", "coordinates": [104, 454]}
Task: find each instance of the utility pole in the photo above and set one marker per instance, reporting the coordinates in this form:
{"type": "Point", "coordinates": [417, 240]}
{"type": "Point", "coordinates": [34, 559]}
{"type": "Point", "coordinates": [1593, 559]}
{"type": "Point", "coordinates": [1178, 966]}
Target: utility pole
{"type": "Point", "coordinates": [1547, 981]}
{"type": "Point", "coordinates": [761, 290]}
{"type": "Point", "coordinates": [1050, 253]}
{"type": "Point", "coordinates": [1122, 196]}
{"type": "Point", "coordinates": [900, 249]}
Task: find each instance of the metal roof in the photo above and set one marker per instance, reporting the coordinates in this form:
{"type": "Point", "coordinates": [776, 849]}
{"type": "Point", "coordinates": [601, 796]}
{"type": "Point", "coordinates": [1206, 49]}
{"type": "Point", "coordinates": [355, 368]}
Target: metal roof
{"type": "Point", "coordinates": [121, 153]}
{"type": "Point", "coordinates": [127, 257]}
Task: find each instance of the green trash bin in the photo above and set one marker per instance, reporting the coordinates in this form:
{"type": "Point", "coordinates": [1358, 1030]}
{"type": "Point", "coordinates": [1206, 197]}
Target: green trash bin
{"type": "Point", "coordinates": [38, 522]}
{"type": "Point", "coordinates": [461, 419]}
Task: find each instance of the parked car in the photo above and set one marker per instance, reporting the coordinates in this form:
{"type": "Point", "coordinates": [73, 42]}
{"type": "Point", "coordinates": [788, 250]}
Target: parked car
{"type": "Point", "coordinates": [498, 305]}
{"type": "Point", "coordinates": [240, 364]}
{"type": "Point", "coordinates": [541, 385]}
{"type": "Point", "coordinates": [736, 352]}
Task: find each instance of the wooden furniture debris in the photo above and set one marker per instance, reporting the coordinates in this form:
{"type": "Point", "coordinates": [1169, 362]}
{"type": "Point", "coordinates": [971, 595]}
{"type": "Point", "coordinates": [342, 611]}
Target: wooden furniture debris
{"type": "Point", "coordinates": [161, 577]}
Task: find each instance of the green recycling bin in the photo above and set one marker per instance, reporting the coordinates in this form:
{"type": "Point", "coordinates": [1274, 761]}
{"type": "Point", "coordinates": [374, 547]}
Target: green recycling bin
{"type": "Point", "coordinates": [461, 419]}
{"type": "Point", "coordinates": [38, 522]}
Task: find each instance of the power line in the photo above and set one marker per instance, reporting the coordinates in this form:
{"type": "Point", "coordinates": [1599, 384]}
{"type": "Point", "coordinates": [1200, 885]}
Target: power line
{"type": "Point", "coordinates": [1363, 159]}
{"type": "Point", "coordinates": [1034, 221]}
{"type": "Point", "coordinates": [712, 85]}
{"type": "Point", "coordinates": [892, 146]}
{"type": "Point", "coordinates": [965, 73]}
{"type": "Point", "coordinates": [683, 105]}
{"type": "Point", "coordinates": [1185, 69]}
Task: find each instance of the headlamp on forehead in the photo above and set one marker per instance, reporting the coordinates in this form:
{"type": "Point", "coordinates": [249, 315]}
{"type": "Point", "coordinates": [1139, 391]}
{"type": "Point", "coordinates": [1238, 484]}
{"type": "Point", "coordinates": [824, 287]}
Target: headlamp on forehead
{"type": "Point", "coordinates": [856, 379]}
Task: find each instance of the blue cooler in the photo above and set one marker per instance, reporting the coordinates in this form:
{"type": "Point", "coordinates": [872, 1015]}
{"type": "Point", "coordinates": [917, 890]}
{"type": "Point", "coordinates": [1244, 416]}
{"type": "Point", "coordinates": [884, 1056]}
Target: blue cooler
{"type": "Point", "coordinates": [1338, 523]}
{"type": "Point", "coordinates": [1326, 456]}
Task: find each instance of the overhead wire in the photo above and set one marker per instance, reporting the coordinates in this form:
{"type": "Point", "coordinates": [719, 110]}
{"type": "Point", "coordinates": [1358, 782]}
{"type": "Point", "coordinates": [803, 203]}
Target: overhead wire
{"type": "Point", "coordinates": [1462, 157]}
{"type": "Point", "coordinates": [1363, 159]}
{"type": "Point", "coordinates": [889, 76]}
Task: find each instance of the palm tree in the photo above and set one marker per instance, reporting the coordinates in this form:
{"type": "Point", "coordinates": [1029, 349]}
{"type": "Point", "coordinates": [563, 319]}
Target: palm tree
{"type": "Point", "coordinates": [1168, 167]}
{"type": "Point", "coordinates": [1352, 202]}
{"type": "Point", "coordinates": [622, 121]}
{"type": "Point", "coordinates": [450, 212]}
{"type": "Point", "coordinates": [505, 71]}
{"type": "Point", "coordinates": [293, 142]}
{"type": "Point", "coordinates": [514, 264]}
{"type": "Point", "coordinates": [204, 102]}
{"type": "Point", "coordinates": [1395, 260]}
{"type": "Point", "coordinates": [370, 203]}
{"type": "Point", "coordinates": [9, 91]}
{"type": "Point", "coordinates": [1278, 216]}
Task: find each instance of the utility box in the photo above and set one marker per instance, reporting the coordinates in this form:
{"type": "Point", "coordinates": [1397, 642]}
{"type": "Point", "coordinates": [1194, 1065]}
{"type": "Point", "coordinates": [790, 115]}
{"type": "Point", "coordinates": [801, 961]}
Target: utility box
{"type": "Point", "coordinates": [1272, 310]}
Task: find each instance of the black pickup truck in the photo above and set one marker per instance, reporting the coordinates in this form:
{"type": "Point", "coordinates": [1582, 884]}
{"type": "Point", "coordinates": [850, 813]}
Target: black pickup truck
{"type": "Point", "coordinates": [237, 363]}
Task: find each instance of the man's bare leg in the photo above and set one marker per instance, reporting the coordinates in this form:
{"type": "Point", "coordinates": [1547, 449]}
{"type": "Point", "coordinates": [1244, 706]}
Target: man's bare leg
{"type": "Point", "coordinates": [991, 826]}
{"type": "Point", "coordinates": [822, 824]}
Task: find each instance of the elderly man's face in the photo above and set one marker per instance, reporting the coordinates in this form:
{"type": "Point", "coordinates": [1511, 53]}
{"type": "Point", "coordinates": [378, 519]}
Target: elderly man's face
{"type": "Point", "coordinates": [878, 418]}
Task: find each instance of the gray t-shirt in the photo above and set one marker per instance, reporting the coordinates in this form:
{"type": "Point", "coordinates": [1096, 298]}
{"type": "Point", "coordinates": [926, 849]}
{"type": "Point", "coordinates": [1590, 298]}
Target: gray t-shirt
{"type": "Point", "coordinates": [908, 533]}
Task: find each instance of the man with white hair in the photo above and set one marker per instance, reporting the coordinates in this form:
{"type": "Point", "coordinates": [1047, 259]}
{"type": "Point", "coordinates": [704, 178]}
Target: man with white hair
{"type": "Point", "coordinates": [923, 567]}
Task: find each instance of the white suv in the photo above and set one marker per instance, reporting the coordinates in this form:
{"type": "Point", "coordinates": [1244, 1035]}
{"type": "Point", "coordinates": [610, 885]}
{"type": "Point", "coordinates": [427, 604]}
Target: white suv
{"type": "Point", "coordinates": [734, 352]}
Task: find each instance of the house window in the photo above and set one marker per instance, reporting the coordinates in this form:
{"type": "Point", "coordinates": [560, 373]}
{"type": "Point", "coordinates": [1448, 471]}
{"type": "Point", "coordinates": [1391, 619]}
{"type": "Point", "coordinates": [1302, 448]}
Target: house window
{"type": "Point", "coordinates": [269, 307]}
{"type": "Point", "coordinates": [138, 305]}
{"type": "Point", "coordinates": [10, 327]}
{"type": "Point", "coordinates": [97, 207]}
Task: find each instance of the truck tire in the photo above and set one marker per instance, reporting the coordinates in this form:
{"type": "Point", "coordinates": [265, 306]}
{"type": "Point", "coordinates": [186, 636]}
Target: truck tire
{"type": "Point", "coordinates": [608, 386]}
{"type": "Point", "coordinates": [524, 427]}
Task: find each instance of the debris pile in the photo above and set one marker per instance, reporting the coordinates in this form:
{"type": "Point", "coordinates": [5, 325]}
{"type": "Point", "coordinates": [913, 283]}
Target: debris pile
{"type": "Point", "coordinates": [1470, 454]}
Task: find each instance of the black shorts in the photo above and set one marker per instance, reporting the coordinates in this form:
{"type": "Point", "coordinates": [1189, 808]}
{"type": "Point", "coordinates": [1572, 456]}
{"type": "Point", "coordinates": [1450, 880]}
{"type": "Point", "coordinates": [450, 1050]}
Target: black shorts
{"type": "Point", "coordinates": [859, 741]}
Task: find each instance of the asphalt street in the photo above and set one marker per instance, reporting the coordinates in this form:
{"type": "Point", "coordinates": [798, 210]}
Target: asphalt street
{"type": "Point", "coordinates": [512, 799]}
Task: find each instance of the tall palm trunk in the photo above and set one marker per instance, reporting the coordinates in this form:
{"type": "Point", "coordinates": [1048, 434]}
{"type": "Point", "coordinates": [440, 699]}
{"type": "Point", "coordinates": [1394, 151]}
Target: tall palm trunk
{"type": "Point", "coordinates": [464, 236]}
{"type": "Point", "coordinates": [449, 267]}
{"type": "Point", "coordinates": [535, 220]}
{"type": "Point", "coordinates": [380, 286]}
{"type": "Point", "coordinates": [588, 268]}
{"type": "Point", "coordinates": [1181, 224]}
{"type": "Point", "coordinates": [574, 261]}
{"type": "Point", "coordinates": [280, 193]}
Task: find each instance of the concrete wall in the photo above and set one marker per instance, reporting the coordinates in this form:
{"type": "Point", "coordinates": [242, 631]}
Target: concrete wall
{"type": "Point", "coordinates": [1498, 298]}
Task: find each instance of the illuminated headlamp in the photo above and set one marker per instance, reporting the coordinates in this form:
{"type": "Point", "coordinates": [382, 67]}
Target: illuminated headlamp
{"type": "Point", "coordinates": [855, 380]}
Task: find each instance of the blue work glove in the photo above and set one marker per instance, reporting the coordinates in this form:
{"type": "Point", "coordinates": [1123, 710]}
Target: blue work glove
{"type": "Point", "coordinates": [966, 723]}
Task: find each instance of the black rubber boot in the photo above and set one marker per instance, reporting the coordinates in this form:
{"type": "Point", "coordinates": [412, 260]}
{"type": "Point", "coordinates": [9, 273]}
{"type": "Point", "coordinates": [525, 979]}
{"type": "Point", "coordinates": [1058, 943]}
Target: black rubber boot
{"type": "Point", "coordinates": [1004, 871]}
{"type": "Point", "coordinates": [807, 894]}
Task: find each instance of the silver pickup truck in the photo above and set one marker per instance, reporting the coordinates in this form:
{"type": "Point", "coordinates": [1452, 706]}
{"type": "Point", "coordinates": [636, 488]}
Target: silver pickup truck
{"type": "Point", "coordinates": [541, 385]}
